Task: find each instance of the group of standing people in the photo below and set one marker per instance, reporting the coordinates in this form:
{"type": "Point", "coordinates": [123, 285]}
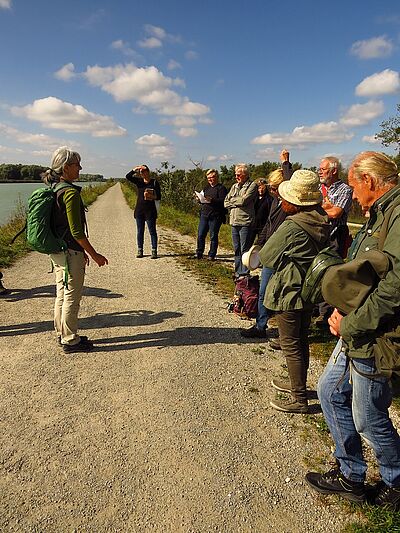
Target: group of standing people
{"type": "Point", "coordinates": [305, 212]}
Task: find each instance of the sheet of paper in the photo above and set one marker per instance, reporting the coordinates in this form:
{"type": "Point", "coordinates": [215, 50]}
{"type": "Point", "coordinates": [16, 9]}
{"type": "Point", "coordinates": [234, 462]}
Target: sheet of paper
{"type": "Point", "coordinates": [201, 197]}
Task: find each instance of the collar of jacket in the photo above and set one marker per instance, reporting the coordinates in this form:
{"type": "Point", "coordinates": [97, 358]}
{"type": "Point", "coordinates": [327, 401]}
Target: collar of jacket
{"type": "Point", "coordinates": [381, 203]}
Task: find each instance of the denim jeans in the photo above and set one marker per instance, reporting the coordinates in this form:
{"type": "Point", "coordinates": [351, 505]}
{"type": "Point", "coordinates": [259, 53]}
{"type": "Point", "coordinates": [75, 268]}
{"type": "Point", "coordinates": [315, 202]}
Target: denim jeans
{"type": "Point", "coordinates": [151, 226]}
{"type": "Point", "coordinates": [241, 240]}
{"type": "Point", "coordinates": [206, 225]}
{"type": "Point", "coordinates": [263, 314]}
{"type": "Point", "coordinates": [356, 406]}
{"type": "Point", "coordinates": [293, 336]}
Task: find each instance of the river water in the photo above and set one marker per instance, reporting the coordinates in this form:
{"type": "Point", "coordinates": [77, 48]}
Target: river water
{"type": "Point", "coordinates": [13, 194]}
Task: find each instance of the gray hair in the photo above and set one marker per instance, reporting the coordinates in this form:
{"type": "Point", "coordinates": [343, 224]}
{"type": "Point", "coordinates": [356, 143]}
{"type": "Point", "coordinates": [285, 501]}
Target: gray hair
{"type": "Point", "coordinates": [333, 162]}
{"type": "Point", "coordinates": [377, 165]}
{"type": "Point", "coordinates": [242, 168]}
{"type": "Point", "coordinates": [61, 157]}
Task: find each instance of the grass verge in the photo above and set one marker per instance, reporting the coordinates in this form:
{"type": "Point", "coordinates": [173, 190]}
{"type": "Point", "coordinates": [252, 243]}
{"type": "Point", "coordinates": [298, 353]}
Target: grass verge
{"type": "Point", "coordinates": [11, 252]}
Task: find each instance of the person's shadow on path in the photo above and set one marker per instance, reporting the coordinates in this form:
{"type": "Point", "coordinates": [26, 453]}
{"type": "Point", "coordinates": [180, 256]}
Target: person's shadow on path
{"type": "Point", "coordinates": [49, 291]}
{"type": "Point", "coordinates": [99, 320]}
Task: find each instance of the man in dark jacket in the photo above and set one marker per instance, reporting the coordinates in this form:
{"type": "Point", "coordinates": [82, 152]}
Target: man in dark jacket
{"type": "Point", "coordinates": [354, 397]}
{"type": "Point", "coordinates": [212, 215]}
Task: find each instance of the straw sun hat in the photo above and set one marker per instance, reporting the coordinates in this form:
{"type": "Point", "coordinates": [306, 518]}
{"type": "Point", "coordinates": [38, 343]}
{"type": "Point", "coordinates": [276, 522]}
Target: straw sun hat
{"type": "Point", "coordinates": [302, 188]}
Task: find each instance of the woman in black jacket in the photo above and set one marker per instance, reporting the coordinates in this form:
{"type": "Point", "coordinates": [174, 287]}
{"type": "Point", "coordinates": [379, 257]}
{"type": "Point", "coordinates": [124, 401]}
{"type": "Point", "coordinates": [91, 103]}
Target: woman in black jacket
{"type": "Point", "coordinates": [148, 192]}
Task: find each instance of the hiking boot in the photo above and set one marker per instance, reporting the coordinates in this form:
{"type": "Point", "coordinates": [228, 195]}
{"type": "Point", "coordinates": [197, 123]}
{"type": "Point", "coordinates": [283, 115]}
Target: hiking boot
{"type": "Point", "coordinates": [195, 256]}
{"type": "Point", "coordinates": [139, 253]}
{"type": "Point", "coordinates": [290, 406]}
{"type": "Point", "coordinates": [253, 332]}
{"type": "Point", "coordinates": [388, 497]}
{"type": "Point", "coordinates": [334, 482]}
{"type": "Point", "coordinates": [154, 254]}
{"type": "Point", "coordinates": [282, 386]}
{"type": "Point", "coordinates": [274, 344]}
{"type": "Point", "coordinates": [83, 338]}
{"type": "Point", "coordinates": [82, 346]}
{"type": "Point", "coordinates": [210, 258]}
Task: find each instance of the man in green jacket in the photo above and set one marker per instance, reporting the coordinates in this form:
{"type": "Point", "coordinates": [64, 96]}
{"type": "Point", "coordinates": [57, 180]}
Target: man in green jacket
{"type": "Point", "coordinates": [355, 403]}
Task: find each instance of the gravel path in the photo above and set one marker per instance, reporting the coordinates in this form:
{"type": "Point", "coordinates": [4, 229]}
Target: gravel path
{"type": "Point", "coordinates": [165, 426]}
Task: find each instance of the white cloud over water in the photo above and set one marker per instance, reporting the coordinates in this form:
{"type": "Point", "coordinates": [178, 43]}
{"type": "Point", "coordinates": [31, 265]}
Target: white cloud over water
{"type": "Point", "coordinates": [54, 113]}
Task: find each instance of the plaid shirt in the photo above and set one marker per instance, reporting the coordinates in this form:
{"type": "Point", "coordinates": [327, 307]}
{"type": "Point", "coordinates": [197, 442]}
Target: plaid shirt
{"type": "Point", "coordinates": [340, 195]}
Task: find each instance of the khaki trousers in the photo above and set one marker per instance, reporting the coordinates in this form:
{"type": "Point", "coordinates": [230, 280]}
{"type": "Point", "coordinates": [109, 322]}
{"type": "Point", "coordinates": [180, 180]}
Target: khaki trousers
{"type": "Point", "coordinates": [68, 298]}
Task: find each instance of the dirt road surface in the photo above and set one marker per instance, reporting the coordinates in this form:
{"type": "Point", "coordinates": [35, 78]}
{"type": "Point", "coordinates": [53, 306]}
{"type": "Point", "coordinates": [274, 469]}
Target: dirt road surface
{"type": "Point", "coordinates": [165, 426]}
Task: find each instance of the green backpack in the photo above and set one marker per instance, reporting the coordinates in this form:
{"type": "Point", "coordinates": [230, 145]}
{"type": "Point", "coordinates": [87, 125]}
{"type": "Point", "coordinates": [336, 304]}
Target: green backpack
{"type": "Point", "coordinates": [311, 288]}
{"type": "Point", "coordinates": [39, 223]}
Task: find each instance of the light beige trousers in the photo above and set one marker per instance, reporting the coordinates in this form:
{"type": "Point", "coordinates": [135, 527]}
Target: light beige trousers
{"type": "Point", "coordinates": [68, 298]}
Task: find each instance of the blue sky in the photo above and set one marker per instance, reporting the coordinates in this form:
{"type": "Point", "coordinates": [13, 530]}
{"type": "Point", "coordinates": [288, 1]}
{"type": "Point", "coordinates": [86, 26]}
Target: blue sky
{"type": "Point", "coordinates": [213, 81]}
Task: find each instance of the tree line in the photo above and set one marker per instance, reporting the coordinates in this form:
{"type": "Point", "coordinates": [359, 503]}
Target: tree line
{"type": "Point", "coordinates": [19, 172]}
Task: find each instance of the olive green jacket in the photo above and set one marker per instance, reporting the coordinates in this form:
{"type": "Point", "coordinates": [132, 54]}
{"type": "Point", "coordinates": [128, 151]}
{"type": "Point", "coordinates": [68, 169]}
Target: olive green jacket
{"type": "Point", "coordinates": [381, 310]}
{"type": "Point", "coordinates": [240, 202]}
{"type": "Point", "coordinates": [289, 252]}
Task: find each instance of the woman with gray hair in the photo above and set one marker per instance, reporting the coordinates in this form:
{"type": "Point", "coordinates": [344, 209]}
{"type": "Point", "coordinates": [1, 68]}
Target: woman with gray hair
{"type": "Point", "coordinates": [70, 222]}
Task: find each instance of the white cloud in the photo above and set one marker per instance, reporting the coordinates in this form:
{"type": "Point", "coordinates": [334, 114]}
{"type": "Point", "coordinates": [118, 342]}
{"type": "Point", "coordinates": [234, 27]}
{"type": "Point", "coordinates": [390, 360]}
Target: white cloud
{"type": "Point", "coordinates": [302, 135]}
{"type": "Point", "coordinates": [156, 146]}
{"type": "Point", "coordinates": [186, 132]}
{"type": "Point", "coordinates": [150, 42]}
{"type": "Point", "coordinates": [371, 139]}
{"type": "Point", "coordinates": [123, 47]}
{"type": "Point", "coordinates": [191, 55]}
{"type": "Point", "coordinates": [5, 4]}
{"type": "Point", "coordinates": [361, 114]}
{"type": "Point", "coordinates": [155, 31]}
{"type": "Point", "coordinates": [147, 86]}
{"type": "Point", "coordinates": [66, 73]}
{"type": "Point", "coordinates": [223, 158]}
{"type": "Point", "coordinates": [385, 82]}
{"type": "Point", "coordinates": [173, 65]}
{"type": "Point", "coordinates": [152, 140]}
{"type": "Point", "coordinates": [372, 48]}
{"type": "Point", "coordinates": [36, 139]}
{"type": "Point", "coordinates": [53, 113]}
{"type": "Point", "coordinates": [206, 120]}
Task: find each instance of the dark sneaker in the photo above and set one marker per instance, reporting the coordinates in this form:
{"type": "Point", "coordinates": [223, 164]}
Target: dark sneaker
{"type": "Point", "coordinates": [253, 332]}
{"type": "Point", "coordinates": [154, 254]}
{"type": "Point", "coordinates": [388, 497]}
{"type": "Point", "coordinates": [195, 256]}
{"type": "Point", "coordinates": [334, 482]}
{"type": "Point", "coordinates": [82, 346]}
{"type": "Point", "coordinates": [290, 406]}
{"type": "Point", "coordinates": [275, 344]}
{"type": "Point", "coordinates": [139, 254]}
{"type": "Point", "coordinates": [282, 386]}
{"type": "Point", "coordinates": [83, 338]}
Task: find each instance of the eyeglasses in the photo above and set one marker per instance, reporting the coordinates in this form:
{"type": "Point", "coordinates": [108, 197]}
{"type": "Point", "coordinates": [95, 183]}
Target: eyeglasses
{"type": "Point", "coordinates": [323, 169]}
{"type": "Point", "coordinates": [239, 175]}
{"type": "Point", "coordinates": [272, 188]}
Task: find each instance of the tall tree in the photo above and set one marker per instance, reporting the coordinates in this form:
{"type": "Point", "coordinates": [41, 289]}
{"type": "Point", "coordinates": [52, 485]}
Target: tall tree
{"type": "Point", "coordinates": [390, 133]}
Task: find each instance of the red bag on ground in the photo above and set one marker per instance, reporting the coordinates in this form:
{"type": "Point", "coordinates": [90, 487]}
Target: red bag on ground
{"type": "Point", "coordinates": [245, 299]}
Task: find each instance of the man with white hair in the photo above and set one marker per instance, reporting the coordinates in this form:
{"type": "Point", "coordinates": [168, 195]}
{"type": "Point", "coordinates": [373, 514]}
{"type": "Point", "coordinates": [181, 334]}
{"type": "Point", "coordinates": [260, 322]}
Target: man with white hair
{"type": "Point", "coordinates": [240, 202]}
{"type": "Point", "coordinates": [337, 201]}
{"type": "Point", "coordinates": [354, 395]}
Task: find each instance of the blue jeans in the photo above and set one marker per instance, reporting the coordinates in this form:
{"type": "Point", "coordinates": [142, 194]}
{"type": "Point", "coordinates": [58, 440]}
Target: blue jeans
{"type": "Point", "coordinates": [359, 408]}
{"type": "Point", "coordinates": [151, 226]}
{"type": "Point", "coordinates": [206, 225]}
{"type": "Point", "coordinates": [241, 240]}
{"type": "Point", "coordinates": [263, 314]}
